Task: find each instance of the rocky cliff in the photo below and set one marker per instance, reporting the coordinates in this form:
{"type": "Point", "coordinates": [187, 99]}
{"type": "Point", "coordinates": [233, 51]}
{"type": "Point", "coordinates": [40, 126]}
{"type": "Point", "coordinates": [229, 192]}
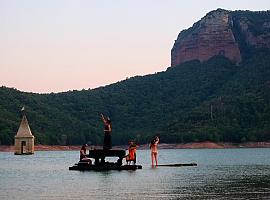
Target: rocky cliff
{"type": "Point", "coordinates": [221, 32]}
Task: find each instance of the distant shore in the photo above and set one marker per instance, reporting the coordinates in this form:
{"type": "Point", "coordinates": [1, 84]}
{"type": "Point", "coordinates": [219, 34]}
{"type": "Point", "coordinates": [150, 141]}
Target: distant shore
{"type": "Point", "coordinates": [193, 145]}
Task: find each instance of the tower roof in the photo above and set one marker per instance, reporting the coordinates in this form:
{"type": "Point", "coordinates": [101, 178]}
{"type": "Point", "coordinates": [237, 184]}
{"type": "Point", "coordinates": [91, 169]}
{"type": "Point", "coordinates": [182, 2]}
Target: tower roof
{"type": "Point", "coordinates": [24, 129]}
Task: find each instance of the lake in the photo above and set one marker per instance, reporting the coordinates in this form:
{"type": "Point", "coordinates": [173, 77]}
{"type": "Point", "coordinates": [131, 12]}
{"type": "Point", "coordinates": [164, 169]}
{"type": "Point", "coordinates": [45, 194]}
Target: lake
{"type": "Point", "coordinates": [220, 174]}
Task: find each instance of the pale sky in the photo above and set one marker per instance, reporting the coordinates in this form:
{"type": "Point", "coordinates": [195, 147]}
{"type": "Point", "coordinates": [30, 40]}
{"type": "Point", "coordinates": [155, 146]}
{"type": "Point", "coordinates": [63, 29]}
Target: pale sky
{"type": "Point", "coordinates": [60, 45]}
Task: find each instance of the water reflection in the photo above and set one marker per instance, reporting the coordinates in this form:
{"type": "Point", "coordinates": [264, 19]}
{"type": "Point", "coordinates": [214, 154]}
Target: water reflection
{"type": "Point", "coordinates": [220, 185]}
{"type": "Point", "coordinates": [220, 174]}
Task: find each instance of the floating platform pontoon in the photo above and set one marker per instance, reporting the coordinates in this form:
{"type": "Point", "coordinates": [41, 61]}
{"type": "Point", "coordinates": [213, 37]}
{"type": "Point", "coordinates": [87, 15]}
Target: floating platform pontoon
{"type": "Point", "coordinates": [88, 167]}
{"type": "Point", "coordinates": [178, 165]}
{"type": "Point", "coordinates": [100, 165]}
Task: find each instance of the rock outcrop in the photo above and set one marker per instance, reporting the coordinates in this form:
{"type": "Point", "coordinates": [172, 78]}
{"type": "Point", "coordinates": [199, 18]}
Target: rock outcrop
{"type": "Point", "coordinates": [222, 32]}
{"type": "Point", "coordinates": [258, 38]}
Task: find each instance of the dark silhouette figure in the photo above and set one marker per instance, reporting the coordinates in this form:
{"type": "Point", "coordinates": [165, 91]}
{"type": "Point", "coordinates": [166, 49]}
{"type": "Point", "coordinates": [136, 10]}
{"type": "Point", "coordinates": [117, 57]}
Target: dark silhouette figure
{"type": "Point", "coordinates": [107, 144]}
{"type": "Point", "coordinates": [83, 156]}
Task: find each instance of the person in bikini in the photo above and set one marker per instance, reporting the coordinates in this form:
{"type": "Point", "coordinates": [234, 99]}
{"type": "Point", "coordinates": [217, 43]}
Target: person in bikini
{"type": "Point", "coordinates": [154, 150]}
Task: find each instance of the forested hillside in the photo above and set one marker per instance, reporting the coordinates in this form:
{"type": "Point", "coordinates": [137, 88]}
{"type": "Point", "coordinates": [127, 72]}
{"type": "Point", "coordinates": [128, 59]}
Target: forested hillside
{"type": "Point", "coordinates": [214, 100]}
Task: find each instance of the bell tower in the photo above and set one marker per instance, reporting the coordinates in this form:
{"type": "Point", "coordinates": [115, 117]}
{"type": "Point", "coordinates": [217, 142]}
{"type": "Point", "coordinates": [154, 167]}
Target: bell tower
{"type": "Point", "coordinates": [24, 140]}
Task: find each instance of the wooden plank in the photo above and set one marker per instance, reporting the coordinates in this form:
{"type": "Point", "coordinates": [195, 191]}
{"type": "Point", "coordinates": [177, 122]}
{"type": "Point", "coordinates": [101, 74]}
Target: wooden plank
{"type": "Point", "coordinates": [178, 165]}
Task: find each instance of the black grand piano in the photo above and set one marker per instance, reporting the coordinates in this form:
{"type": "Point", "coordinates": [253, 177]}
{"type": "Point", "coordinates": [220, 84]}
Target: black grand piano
{"type": "Point", "coordinates": [100, 163]}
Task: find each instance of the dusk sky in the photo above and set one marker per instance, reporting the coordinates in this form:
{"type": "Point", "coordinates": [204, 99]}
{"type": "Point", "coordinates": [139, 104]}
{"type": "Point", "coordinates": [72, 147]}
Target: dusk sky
{"type": "Point", "coordinates": [60, 45]}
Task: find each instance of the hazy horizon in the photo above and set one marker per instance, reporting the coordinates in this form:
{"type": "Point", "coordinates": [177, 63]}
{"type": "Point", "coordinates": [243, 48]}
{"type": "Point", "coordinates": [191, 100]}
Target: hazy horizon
{"type": "Point", "coordinates": [62, 45]}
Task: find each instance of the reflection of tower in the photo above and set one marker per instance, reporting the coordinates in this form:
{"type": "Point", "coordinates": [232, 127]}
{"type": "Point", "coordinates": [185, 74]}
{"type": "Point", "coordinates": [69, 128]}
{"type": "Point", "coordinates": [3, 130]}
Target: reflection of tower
{"type": "Point", "coordinates": [24, 140]}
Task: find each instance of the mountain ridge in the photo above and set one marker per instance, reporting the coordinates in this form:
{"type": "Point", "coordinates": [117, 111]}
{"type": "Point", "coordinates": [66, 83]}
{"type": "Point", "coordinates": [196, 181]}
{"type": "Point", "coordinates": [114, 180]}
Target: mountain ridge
{"type": "Point", "coordinates": [232, 34]}
{"type": "Point", "coordinates": [214, 100]}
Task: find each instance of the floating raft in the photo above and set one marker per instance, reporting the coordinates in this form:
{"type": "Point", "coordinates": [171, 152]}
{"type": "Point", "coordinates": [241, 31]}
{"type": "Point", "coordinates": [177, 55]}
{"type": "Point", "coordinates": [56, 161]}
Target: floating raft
{"type": "Point", "coordinates": [178, 165]}
{"type": "Point", "coordinates": [105, 167]}
{"type": "Point", "coordinates": [99, 156]}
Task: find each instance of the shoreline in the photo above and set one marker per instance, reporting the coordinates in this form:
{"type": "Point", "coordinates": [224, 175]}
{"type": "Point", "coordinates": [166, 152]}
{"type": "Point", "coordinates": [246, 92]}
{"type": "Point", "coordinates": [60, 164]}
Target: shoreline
{"type": "Point", "coordinates": [193, 145]}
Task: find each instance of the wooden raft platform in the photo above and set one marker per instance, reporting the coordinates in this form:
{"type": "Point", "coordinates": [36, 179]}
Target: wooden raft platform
{"type": "Point", "coordinates": [100, 164]}
{"type": "Point", "coordinates": [99, 155]}
{"type": "Point", "coordinates": [178, 165]}
{"type": "Point", "coordinates": [106, 167]}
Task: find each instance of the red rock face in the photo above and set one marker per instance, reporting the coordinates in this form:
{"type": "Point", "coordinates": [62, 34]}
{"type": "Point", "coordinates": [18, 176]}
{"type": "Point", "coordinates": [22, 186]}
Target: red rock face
{"type": "Point", "coordinates": [211, 36]}
{"type": "Point", "coordinates": [258, 41]}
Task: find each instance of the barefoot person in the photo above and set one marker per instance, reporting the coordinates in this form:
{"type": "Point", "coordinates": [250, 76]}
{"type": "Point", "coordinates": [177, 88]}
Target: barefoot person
{"type": "Point", "coordinates": [131, 153]}
{"type": "Point", "coordinates": [83, 156]}
{"type": "Point", "coordinates": [154, 151]}
{"type": "Point", "coordinates": [107, 144]}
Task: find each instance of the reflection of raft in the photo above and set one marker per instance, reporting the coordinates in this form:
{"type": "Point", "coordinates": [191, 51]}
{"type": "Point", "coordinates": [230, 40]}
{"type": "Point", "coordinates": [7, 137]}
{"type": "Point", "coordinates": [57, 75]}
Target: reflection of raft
{"type": "Point", "coordinates": [178, 165]}
{"type": "Point", "coordinates": [100, 165]}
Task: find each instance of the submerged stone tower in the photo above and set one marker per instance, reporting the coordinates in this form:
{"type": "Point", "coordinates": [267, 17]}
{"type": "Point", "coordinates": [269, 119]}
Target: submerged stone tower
{"type": "Point", "coordinates": [24, 140]}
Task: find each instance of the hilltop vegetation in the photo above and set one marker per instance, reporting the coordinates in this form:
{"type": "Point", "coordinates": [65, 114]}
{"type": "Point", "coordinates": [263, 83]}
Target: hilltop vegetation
{"type": "Point", "coordinates": [211, 101]}
{"type": "Point", "coordinates": [215, 100]}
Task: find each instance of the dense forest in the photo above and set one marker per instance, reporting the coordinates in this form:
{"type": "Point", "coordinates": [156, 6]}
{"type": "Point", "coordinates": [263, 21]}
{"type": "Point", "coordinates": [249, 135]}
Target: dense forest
{"type": "Point", "coordinates": [211, 101]}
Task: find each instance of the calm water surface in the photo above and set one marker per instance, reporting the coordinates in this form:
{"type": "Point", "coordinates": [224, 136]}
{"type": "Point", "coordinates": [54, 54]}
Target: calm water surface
{"type": "Point", "coordinates": [220, 174]}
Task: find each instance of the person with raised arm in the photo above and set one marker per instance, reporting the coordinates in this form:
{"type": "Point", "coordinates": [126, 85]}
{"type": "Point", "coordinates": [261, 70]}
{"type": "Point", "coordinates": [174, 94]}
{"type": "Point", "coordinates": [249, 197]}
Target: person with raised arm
{"type": "Point", "coordinates": [154, 150]}
{"type": "Point", "coordinates": [107, 144]}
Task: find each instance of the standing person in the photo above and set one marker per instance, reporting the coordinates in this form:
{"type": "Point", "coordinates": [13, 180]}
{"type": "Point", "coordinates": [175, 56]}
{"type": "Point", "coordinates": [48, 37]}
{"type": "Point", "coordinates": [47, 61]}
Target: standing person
{"type": "Point", "coordinates": [107, 144]}
{"type": "Point", "coordinates": [154, 150]}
